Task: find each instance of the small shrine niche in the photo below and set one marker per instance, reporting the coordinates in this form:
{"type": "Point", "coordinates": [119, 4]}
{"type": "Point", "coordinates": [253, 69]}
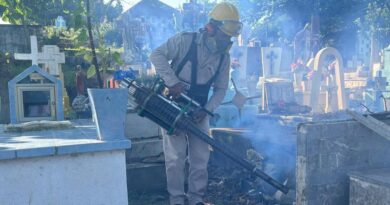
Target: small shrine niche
{"type": "Point", "coordinates": [35, 95]}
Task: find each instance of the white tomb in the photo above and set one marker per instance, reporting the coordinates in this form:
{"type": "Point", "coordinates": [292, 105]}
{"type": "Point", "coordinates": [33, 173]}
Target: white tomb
{"type": "Point", "coordinates": [67, 166]}
{"type": "Point", "coordinates": [62, 162]}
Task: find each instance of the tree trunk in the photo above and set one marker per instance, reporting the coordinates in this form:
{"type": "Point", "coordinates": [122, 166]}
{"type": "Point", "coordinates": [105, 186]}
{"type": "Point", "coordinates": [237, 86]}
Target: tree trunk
{"type": "Point", "coordinates": [94, 58]}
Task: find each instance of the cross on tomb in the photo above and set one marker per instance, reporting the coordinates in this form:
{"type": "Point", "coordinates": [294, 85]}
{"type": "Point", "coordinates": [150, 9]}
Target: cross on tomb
{"type": "Point", "coordinates": [51, 57]}
{"type": "Point", "coordinates": [272, 57]}
{"type": "Point", "coordinates": [33, 56]}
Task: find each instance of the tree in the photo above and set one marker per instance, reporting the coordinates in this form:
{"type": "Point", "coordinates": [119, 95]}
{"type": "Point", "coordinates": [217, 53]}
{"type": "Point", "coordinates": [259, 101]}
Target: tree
{"type": "Point", "coordinates": [92, 44]}
{"type": "Point", "coordinates": [376, 19]}
{"type": "Point", "coordinates": [84, 19]}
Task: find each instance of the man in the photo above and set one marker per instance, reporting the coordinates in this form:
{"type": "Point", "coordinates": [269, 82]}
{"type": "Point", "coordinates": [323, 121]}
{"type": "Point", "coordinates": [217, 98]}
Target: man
{"type": "Point", "coordinates": [198, 61]}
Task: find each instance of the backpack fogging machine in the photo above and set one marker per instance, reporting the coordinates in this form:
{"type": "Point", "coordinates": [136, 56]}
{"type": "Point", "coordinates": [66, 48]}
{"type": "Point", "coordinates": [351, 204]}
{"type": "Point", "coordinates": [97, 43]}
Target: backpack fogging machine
{"type": "Point", "coordinates": [150, 102]}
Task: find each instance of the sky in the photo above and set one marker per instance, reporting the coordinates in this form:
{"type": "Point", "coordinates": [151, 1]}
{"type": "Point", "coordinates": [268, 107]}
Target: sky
{"type": "Point", "coordinates": [174, 3]}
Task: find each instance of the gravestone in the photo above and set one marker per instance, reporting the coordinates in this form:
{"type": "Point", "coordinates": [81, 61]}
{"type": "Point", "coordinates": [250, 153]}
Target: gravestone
{"type": "Point", "coordinates": [271, 60]}
{"type": "Point", "coordinates": [51, 58]}
{"type": "Point", "coordinates": [276, 90]}
{"type": "Point", "coordinates": [286, 60]}
{"type": "Point", "coordinates": [60, 22]}
{"type": "Point", "coordinates": [386, 64]}
{"type": "Point", "coordinates": [277, 93]}
{"type": "Point", "coordinates": [33, 56]}
{"type": "Point", "coordinates": [302, 47]}
{"type": "Point", "coordinates": [339, 86]}
{"type": "Point", "coordinates": [249, 59]}
{"type": "Point", "coordinates": [35, 95]}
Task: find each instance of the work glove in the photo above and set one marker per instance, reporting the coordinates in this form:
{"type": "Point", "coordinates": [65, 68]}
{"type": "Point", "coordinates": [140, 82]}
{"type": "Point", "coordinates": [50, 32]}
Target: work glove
{"type": "Point", "coordinates": [198, 115]}
{"type": "Point", "coordinates": [177, 89]}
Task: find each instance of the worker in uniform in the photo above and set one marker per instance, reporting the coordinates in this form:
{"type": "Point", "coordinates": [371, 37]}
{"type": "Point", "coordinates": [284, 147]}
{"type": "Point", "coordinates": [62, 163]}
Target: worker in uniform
{"type": "Point", "coordinates": [192, 63]}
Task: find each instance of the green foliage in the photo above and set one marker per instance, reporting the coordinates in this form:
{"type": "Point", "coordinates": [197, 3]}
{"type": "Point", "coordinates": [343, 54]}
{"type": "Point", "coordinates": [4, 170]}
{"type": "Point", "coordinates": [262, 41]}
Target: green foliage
{"type": "Point", "coordinates": [108, 59]}
{"type": "Point", "coordinates": [376, 19]}
{"type": "Point", "coordinates": [9, 68]}
{"type": "Point", "coordinates": [91, 71]}
{"type": "Point", "coordinates": [275, 19]}
{"type": "Point", "coordinates": [69, 75]}
{"type": "Point", "coordinates": [74, 39]}
{"type": "Point", "coordinates": [271, 20]}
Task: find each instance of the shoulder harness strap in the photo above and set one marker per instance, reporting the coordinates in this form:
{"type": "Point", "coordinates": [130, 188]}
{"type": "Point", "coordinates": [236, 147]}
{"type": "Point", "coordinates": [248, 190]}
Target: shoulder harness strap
{"type": "Point", "coordinates": [187, 57]}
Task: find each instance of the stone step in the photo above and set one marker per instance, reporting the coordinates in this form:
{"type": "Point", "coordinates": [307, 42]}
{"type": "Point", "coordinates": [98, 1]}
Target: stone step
{"type": "Point", "coordinates": [146, 150]}
{"type": "Point", "coordinates": [370, 187]}
{"type": "Point", "coordinates": [146, 177]}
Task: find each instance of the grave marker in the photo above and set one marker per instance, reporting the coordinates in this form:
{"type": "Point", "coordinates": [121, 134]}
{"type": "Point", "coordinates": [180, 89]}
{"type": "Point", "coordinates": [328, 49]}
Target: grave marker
{"type": "Point", "coordinates": [32, 98]}
{"type": "Point", "coordinates": [270, 57]}
{"type": "Point", "coordinates": [33, 56]}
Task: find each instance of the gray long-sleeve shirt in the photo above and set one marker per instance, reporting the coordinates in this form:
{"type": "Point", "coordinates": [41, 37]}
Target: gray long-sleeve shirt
{"type": "Point", "coordinates": [175, 50]}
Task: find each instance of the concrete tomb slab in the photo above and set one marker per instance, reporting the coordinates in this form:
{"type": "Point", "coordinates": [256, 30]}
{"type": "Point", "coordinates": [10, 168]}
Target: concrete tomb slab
{"type": "Point", "coordinates": [328, 151]}
{"type": "Point", "coordinates": [370, 187]}
{"type": "Point", "coordinates": [67, 166]}
{"type": "Point", "coordinates": [109, 111]}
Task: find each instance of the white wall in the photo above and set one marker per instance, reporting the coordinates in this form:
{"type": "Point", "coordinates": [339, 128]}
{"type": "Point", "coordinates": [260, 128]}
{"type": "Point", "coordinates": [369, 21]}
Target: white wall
{"type": "Point", "coordinates": [92, 178]}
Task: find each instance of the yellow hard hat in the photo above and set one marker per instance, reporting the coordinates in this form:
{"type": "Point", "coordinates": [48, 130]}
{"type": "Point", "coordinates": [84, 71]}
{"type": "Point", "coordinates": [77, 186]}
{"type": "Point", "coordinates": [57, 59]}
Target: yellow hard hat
{"type": "Point", "coordinates": [225, 12]}
{"type": "Point", "coordinates": [228, 15]}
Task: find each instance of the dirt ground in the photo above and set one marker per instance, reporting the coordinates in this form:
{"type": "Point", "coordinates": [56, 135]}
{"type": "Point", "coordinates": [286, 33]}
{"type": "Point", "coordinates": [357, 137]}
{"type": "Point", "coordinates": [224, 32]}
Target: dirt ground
{"type": "Point", "coordinates": [226, 187]}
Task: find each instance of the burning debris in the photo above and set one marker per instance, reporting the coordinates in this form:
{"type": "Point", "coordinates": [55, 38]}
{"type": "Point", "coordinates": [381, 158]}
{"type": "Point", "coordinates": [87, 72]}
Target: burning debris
{"type": "Point", "coordinates": [269, 144]}
{"type": "Point", "coordinates": [234, 186]}
{"type": "Point", "coordinates": [256, 158]}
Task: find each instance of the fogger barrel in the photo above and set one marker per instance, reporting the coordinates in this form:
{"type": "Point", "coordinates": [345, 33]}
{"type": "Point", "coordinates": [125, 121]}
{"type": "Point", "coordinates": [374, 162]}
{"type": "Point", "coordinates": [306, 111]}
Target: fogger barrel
{"type": "Point", "coordinates": [170, 116]}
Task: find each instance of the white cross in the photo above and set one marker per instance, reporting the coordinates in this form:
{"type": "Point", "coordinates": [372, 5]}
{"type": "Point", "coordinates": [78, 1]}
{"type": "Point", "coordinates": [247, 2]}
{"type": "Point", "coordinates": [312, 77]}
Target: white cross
{"type": "Point", "coordinates": [51, 56]}
{"type": "Point", "coordinates": [33, 56]}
